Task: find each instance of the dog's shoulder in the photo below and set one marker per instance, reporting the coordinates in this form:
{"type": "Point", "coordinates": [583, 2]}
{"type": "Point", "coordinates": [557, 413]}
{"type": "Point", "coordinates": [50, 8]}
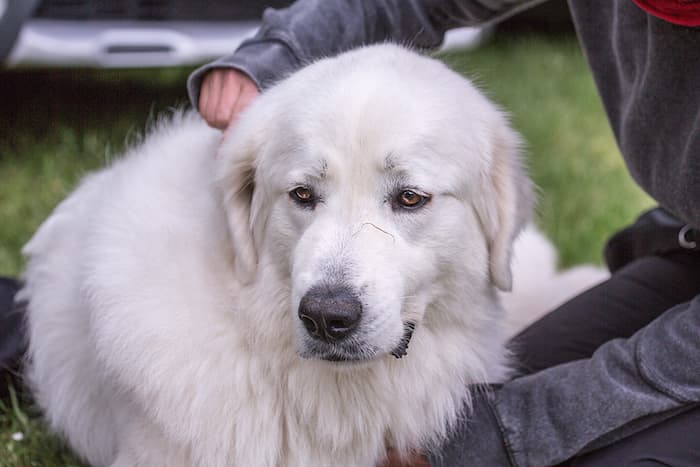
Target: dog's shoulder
{"type": "Point", "coordinates": [148, 219]}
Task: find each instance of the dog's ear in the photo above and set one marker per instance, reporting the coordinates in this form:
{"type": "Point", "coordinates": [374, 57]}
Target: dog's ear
{"type": "Point", "coordinates": [507, 203]}
{"type": "Point", "coordinates": [236, 180]}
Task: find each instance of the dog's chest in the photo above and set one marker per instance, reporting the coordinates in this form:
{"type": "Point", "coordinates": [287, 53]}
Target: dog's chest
{"type": "Point", "coordinates": [309, 415]}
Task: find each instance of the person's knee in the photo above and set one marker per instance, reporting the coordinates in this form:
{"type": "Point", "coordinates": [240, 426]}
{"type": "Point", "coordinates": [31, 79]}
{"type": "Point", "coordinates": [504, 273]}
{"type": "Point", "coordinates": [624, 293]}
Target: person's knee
{"type": "Point", "coordinates": [672, 442]}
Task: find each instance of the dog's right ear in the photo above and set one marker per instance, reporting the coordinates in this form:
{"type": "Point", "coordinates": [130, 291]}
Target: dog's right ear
{"type": "Point", "coordinates": [236, 180]}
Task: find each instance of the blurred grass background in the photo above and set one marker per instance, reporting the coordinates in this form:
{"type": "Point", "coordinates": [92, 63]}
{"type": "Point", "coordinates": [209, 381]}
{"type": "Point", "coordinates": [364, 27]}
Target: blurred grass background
{"type": "Point", "coordinates": [58, 125]}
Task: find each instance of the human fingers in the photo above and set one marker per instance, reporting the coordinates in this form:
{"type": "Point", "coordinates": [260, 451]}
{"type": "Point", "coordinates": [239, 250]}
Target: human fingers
{"type": "Point", "coordinates": [204, 92]}
{"type": "Point", "coordinates": [230, 87]}
{"type": "Point", "coordinates": [224, 94]}
{"type": "Point", "coordinates": [209, 96]}
{"type": "Point", "coordinates": [248, 93]}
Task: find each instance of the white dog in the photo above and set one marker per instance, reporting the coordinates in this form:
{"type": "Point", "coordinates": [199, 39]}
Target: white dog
{"type": "Point", "coordinates": [248, 310]}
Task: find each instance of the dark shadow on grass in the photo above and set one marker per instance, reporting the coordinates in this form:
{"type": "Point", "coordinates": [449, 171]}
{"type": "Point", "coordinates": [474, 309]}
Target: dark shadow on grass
{"type": "Point", "coordinates": [37, 101]}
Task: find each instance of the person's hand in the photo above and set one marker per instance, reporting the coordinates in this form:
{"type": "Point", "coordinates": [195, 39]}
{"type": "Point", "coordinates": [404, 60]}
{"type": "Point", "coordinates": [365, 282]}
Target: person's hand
{"type": "Point", "coordinates": [415, 460]}
{"type": "Point", "coordinates": [224, 94]}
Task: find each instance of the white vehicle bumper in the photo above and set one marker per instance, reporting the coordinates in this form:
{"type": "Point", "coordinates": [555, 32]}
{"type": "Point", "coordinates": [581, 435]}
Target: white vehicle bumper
{"type": "Point", "coordinates": [110, 44]}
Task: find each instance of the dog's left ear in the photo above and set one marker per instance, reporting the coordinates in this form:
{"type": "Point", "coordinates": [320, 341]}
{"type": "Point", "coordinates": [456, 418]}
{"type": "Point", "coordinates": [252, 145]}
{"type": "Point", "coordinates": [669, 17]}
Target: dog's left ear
{"type": "Point", "coordinates": [507, 203]}
{"type": "Point", "coordinates": [236, 178]}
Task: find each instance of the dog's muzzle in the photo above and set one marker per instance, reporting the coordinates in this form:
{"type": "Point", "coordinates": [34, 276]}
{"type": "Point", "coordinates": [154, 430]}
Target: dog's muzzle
{"type": "Point", "coordinates": [331, 314]}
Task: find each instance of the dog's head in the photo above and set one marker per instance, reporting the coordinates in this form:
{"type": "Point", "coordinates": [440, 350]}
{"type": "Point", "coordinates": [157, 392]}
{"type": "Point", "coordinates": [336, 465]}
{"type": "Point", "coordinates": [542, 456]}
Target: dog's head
{"type": "Point", "coordinates": [377, 186]}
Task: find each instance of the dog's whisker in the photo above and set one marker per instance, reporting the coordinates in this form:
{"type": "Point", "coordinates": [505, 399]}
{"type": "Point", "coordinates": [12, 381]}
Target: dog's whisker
{"type": "Point", "coordinates": [393, 239]}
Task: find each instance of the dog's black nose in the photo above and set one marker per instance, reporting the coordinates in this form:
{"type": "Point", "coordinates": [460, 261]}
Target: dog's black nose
{"type": "Point", "coordinates": [330, 313]}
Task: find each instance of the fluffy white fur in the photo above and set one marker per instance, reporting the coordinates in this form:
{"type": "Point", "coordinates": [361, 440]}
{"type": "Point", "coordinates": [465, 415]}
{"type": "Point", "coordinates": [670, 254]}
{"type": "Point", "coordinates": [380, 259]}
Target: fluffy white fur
{"type": "Point", "coordinates": [163, 292]}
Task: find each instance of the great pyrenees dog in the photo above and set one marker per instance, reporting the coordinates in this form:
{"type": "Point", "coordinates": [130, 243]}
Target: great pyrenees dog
{"type": "Point", "coordinates": [326, 287]}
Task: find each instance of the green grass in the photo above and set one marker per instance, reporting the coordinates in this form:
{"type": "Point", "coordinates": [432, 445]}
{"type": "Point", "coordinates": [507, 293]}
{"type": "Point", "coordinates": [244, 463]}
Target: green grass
{"type": "Point", "coordinates": [56, 126]}
{"type": "Point", "coordinates": [37, 446]}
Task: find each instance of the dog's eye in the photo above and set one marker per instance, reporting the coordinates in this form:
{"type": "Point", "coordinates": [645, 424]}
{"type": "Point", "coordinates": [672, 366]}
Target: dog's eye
{"type": "Point", "coordinates": [409, 199]}
{"type": "Point", "coordinates": [302, 195]}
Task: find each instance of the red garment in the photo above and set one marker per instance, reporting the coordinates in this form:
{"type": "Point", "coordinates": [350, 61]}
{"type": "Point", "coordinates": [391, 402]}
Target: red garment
{"type": "Point", "coordinates": [682, 12]}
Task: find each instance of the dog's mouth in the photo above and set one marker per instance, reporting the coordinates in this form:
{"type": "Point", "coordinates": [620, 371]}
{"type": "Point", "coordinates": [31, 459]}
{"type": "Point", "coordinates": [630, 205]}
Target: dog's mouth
{"type": "Point", "coordinates": [335, 358]}
{"type": "Point", "coordinates": [340, 355]}
{"type": "Point", "coordinates": [357, 354]}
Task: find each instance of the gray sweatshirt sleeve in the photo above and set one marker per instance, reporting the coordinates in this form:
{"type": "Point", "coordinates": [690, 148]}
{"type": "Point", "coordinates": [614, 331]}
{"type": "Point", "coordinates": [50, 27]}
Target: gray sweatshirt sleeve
{"type": "Point", "coordinates": [551, 416]}
{"type": "Point", "coordinates": [311, 29]}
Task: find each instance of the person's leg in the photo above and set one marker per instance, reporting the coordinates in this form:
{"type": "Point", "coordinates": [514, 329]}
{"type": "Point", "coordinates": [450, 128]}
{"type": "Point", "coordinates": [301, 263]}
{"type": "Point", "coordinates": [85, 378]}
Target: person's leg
{"type": "Point", "coordinates": [673, 442]}
{"type": "Point", "coordinates": [619, 307]}
{"type": "Point", "coordinates": [629, 300]}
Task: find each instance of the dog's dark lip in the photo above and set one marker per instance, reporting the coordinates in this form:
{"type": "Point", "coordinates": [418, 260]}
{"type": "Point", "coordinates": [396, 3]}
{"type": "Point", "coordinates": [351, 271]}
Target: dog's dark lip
{"type": "Point", "coordinates": [335, 356]}
{"type": "Point", "coordinates": [344, 359]}
{"type": "Point", "coordinates": [401, 350]}
{"type": "Point", "coordinates": [339, 360]}
{"type": "Point", "coordinates": [339, 356]}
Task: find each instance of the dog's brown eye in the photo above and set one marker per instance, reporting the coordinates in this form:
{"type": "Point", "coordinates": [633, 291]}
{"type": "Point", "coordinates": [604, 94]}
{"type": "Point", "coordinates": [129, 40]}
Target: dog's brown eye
{"type": "Point", "coordinates": [409, 199]}
{"type": "Point", "coordinates": [302, 195]}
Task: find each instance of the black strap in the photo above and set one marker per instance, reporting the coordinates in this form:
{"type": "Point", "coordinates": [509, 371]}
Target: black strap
{"type": "Point", "coordinates": [655, 232]}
